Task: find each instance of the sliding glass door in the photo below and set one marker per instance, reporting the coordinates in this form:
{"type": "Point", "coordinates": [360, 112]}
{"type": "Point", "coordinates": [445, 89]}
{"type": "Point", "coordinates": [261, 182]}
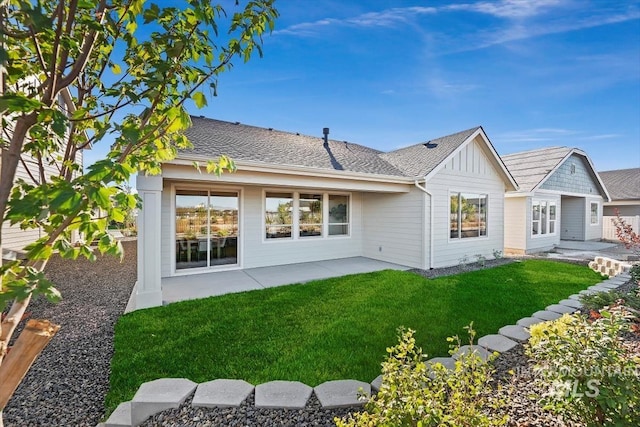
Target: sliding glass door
{"type": "Point", "coordinates": [206, 228]}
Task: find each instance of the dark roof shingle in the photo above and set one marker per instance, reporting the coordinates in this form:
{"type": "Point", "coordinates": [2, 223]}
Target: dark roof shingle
{"type": "Point", "coordinates": [211, 138]}
{"type": "Point", "coordinates": [622, 184]}
{"type": "Point", "coordinates": [420, 159]}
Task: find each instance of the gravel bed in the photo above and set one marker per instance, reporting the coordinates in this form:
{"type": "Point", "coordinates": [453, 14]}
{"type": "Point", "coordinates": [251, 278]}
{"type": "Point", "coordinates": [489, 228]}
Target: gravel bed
{"type": "Point", "coordinates": [248, 415]}
{"type": "Point", "coordinates": [67, 384]}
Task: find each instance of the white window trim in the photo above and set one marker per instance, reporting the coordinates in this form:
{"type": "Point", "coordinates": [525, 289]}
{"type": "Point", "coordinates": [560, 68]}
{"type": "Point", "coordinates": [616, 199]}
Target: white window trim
{"type": "Point", "coordinates": [465, 239]}
{"type": "Point", "coordinates": [555, 227]}
{"type": "Point", "coordinates": [295, 220]}
{"type": "Point", "coordinates": [174, 188]}
{"type": "Point", "coordinates": [598, 213]}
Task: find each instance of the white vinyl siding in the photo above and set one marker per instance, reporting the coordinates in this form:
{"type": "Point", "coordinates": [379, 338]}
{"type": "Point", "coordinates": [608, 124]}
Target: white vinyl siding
{"type": "Point", "coordinates": [594, 231]}
{"type": "Point", "coordinates": [393, 228]}
{"type": "Point", "coordinates": [469, 171]}
{"type": "Point", "coordinates": [542, 241]}
{"type": "Point", "coordinates": [572, 218]}
{"type": "Point", "coordinates": [515, 226]}
{"type": "Point", "coordinates": [13, 238]}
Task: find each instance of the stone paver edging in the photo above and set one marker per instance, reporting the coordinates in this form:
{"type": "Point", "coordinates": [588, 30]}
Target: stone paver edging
{"type": "Point", "coordinates": [158, 395]}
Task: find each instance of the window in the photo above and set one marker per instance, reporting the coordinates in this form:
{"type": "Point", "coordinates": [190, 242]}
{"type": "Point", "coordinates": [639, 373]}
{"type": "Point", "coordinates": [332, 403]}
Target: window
{"type": "Point", "coordinates": [468, 215]}
{"type": "Point", "coordinates": [318, 215]}
{"type": "Point", "coordinates": [278, 218]}
{"type": "Point", "coordinates": [595, 218]}
{"type": "Point", "coordinates": [543, 217]}
{"type": "Point", "coordinates": [338, 215]}
{"type": "Point", "coordinates": [310, 215]}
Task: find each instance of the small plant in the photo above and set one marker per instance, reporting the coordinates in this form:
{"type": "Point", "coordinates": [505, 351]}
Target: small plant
{"type": "Point", "coordinates": [634, 272]}
{"type": "Point", "coordinates": [497, 254]}
{"type": "Point", "coordinates": [585, 369]}
{"type": "Point", "coordinates": [481, 260]}
{"type": "Point", "coordinates": [462, 262]}
{"type": "Point", "coordinates": [601, 300]}
{"type": "Point", "coordinates": [416, 393]}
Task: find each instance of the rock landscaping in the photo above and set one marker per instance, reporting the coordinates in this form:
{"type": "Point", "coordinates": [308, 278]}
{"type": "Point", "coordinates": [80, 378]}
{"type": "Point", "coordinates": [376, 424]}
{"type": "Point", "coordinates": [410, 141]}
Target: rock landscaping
{"type": "Point", "coordinates": [68, 383]}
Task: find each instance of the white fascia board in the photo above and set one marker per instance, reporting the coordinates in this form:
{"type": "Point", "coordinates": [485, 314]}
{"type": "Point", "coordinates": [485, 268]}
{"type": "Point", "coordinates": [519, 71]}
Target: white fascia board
{"type": "Point", "coordinates": [622, 202]}
{"type": "Point", "coordinates": [300, 170]}
{"type": "Point", "coordinates": [516, 194]}
{"type": "Point", "coordinates": [567, 193]}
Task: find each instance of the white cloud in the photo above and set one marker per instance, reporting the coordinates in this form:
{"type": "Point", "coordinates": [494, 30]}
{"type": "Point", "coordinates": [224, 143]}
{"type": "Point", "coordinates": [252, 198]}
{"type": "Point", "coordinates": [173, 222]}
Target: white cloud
{"type": "Point", "coordinates": [510, 9]}
{"type": "Point", "coordinates": [383, 19]}
{"type": "Point", "coordinates": [522, 19]}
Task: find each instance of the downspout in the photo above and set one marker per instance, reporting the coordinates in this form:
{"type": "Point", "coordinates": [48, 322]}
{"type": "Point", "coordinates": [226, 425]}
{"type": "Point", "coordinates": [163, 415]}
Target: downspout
{"type": "Point", "coordinates": [431, 216]}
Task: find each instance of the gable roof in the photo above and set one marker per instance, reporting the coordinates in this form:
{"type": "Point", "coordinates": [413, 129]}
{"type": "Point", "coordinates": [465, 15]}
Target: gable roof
{"type": "Point", "coordinates": [420, 159]}
{"type": "Point", "coordinates": [268, 147]}
{"type": "Point", "coordinates": [622, 184]}
{"type": "Point", "coordinates": [532, 168]}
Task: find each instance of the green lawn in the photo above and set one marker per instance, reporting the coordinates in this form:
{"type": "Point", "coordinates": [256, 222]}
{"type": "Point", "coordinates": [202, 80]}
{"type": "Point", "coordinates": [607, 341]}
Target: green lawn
{"type": "Point", "coordinates": [328, 329]}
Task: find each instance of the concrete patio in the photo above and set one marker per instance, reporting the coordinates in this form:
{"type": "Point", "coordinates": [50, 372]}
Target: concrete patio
{"type": "Point", "coordinates": [179, 288]}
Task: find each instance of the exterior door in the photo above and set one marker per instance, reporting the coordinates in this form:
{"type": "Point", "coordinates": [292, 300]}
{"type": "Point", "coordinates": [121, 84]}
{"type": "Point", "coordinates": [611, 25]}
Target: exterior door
{"type": "Point", "coordinates": [206, 228]}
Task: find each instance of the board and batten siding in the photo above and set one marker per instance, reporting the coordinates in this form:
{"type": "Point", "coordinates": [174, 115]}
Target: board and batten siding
{"type": "Point", "coordinates": [393, 228]}
{"type": "Point", "coordinates": [515, 224]}
{"type": "Point", "coordinates": [468, 171]}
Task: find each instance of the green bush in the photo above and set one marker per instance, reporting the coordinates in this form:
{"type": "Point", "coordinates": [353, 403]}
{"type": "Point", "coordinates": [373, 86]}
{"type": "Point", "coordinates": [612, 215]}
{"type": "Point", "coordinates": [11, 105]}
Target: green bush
{"type": "Point", "coordinates": [585, 370]}
{"type": "Point", "coordinates": [634, 271]}
{"type": "Point", "coordinates": [601, 300]}
{"type": "Point", "coordinates": [417, 393]}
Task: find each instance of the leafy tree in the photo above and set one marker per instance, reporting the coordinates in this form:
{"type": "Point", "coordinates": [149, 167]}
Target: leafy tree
{"type": "Point", "coordinates": [125, 70]}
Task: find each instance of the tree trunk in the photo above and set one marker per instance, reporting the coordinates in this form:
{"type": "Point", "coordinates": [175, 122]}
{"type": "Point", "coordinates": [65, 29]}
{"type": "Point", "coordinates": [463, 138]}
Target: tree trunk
{"type": "Point", "coordinates": [33, 339]}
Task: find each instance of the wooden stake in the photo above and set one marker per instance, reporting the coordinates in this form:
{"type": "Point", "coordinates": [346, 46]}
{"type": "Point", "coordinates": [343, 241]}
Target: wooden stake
{"type": "Point", "coordinates": [33, 339]}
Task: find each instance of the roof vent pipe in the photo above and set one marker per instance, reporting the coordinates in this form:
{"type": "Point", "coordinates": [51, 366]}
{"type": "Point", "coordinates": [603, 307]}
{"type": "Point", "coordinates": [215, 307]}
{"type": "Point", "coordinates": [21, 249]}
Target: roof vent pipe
{"type": "Point", "coordinates": [325, 132]}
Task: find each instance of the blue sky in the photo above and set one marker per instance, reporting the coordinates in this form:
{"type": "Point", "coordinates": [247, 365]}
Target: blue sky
{"type": "Point", "coordinates": [387, 74]}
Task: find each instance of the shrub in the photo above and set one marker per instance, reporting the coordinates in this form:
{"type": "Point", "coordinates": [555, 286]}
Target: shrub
{"type": "Point", "coordinates": [414, 392]}
{"type": "Point", "coordinates": [585, 369]}
{"type": "Point", "coordinates": [601, 300]}
{"type": "Point", "coordinates": [634, 271]}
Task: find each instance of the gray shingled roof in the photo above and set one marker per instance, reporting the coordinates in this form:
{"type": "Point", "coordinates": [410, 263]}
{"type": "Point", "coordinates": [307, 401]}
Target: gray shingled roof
{"type": "Point", "coordinates": [529, 168]}
{"type": "Point", "coordinates": [622, 184]}
{"type": "Point", "coordinates": [420, 159]}
{"type": "Point", "coordinates": [211, 138]}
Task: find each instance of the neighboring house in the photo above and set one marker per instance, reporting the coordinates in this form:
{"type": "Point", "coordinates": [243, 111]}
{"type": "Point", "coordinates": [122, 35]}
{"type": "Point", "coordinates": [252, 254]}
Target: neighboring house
{"type": "Point", "coordinates": [297, 198]}
{"type": "Point", "coordinates": [560, 198]}
{"type": "Point", "coordinates": [624, 188]}
{"type": "Point", "coordinates": [15, 239]}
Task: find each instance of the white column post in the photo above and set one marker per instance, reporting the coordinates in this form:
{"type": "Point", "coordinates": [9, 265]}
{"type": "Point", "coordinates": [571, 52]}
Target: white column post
{"type": "Point", "coordinates": [149, 286]}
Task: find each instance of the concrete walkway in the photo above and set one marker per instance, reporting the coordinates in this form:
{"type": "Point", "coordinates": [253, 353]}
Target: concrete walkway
{"type": "Point", "coordinates": [587, 251]}
{"type": "Point", "coordinates": [179, 288]}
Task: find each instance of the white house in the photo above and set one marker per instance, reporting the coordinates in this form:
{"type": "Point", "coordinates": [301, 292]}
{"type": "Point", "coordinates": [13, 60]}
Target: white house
{"type": "Point", "coordinates": [624, 187]}
{"type": "Point", "coordinates": [560, 198]}
{"type": "Point", "coordinates": [297, 198]}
